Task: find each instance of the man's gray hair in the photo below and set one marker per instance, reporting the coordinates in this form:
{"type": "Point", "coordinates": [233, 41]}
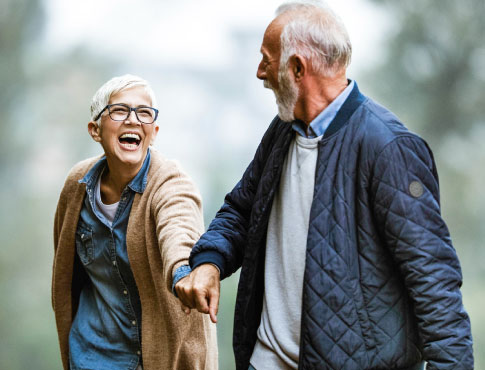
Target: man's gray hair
{"type": "Point", "coordinates": [314, 31]}
{"type": "Point", "coordinates": [114, 86]}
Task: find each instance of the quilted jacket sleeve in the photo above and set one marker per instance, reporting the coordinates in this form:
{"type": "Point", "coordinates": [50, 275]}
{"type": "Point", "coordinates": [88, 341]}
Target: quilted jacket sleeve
{"type": "Point", "coordinates": [223, 243]}
{"type": "Point", "coordinates": [405, 196]}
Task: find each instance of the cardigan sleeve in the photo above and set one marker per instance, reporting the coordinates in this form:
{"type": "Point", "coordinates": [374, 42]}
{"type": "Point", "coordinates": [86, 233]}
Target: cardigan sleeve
{"type": "Point", "coordinates": [405, 194]}
{"type": "Point", "coordinates": [177, 207]}
{"type": "Point", "coordinates": [57, 228]}
{"type": "Point", "coordinates": [61, 209]}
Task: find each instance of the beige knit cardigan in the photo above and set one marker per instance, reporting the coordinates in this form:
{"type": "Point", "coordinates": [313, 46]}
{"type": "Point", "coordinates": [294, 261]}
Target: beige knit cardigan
{"type": "Point", "coordinates": [165, 222]}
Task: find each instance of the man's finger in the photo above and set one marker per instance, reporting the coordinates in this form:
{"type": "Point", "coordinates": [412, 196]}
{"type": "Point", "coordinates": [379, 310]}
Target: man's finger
{"type": "Point", "coordinates": [201, 302]}
{"type": "Point", "coordinates": [183, 297]}
{"type": "Point", "coordinates": [185, 308]}
{"type": "Point", "coordinates": [213, 306]}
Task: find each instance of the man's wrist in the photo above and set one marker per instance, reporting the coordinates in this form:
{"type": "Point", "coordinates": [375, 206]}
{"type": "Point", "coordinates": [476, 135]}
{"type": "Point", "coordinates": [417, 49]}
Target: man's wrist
{"type": "Point", "coordinates": [209, 257]}
{"type": "Point", "coordinates": [213, 264]}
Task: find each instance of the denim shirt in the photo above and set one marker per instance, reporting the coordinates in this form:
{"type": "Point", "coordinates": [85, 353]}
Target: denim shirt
{"type": "Point", "coordinates": [106, 331]}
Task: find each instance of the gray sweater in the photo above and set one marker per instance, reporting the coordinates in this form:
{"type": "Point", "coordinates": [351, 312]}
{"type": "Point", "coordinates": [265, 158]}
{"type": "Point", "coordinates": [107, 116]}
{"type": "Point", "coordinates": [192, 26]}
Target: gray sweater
{"type": "Point", "coordinates": [279, 331]}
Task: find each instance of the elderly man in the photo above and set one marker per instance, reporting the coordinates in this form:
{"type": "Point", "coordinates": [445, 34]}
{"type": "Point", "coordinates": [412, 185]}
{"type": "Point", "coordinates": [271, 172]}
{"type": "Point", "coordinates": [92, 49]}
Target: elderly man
{"type": "Point", "coordinates": [346, 261]}
{"type": "Point", "coordinates": [124, 228]}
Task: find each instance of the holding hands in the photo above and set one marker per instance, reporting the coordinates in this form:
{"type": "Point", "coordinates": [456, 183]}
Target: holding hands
{"type": "Point", "coordinates": [200, 290]}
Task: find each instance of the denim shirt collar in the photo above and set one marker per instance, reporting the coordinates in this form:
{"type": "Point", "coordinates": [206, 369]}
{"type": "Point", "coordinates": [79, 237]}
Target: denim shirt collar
{"type": "Point", "coordinates": [138, 184]}
{"type": "Point", "coordinates": [320, 123]}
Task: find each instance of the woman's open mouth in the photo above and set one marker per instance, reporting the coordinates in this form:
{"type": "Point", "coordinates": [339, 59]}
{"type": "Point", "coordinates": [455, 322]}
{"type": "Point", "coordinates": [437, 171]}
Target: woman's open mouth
{"type": "Point", "coordinates": [130, 140]}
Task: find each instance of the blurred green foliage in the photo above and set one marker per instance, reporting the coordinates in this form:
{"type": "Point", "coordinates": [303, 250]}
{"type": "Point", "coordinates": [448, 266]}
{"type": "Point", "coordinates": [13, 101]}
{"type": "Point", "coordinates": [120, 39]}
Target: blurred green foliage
{"type": "Point", "coordinates": [430, 73]}
{"type": "Point", "coordinates": [432, 66]}
{"type": "Point", "coordinates": [39, 102]}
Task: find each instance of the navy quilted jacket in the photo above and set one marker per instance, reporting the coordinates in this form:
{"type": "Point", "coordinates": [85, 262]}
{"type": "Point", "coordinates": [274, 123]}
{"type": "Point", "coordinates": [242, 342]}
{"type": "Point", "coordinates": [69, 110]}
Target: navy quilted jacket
{"type": "Point", "coordinates": [382, 279]}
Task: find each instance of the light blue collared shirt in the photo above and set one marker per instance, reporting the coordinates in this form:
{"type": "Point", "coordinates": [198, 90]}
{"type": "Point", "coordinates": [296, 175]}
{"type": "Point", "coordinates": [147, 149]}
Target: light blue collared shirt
{"type": "Point", "coordinates": [321, 122]}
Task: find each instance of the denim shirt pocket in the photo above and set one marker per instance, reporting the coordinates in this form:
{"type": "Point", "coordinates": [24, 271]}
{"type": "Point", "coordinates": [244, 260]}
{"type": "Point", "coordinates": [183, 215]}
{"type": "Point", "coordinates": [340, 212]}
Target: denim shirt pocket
{"type": "Point", "coordinates": [85, 244]}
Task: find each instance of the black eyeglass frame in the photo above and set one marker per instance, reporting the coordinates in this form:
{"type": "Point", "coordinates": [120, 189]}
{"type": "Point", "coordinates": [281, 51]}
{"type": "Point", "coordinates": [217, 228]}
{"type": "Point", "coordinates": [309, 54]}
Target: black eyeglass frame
{"type": "Point", "coordinates": [130, 110]}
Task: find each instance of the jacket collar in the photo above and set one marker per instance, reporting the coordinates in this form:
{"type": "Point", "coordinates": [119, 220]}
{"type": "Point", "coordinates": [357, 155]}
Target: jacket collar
{"type": "Point", "coordinates": [348, 108]}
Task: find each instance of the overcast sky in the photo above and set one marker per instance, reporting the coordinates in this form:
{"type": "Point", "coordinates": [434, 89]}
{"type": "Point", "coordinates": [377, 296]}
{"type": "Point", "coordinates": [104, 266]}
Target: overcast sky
{"type": "Point", "coordinates": [187, 32]}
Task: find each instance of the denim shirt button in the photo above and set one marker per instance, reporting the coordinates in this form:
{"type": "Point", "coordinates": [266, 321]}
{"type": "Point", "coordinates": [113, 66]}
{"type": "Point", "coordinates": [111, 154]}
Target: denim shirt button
{"type": "Point", "coordinates": [125, 292]}
{"type": "Point", "coordinates": [138, 353]}
{"type": "Point", "coordinates": [114, 263]}
{"type": "Point", "coordinates": [133, 322]}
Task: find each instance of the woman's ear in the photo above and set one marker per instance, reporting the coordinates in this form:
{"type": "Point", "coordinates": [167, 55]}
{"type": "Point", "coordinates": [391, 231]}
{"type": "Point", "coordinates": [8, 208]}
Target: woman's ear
{"type": "Point", "coordinates": [95, 131]}
{"type": "Point", "coordinates": [154, 135]}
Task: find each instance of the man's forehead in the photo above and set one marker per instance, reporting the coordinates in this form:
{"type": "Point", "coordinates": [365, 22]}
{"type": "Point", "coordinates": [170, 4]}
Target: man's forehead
{"type": "Point", "coordinates": [271, 38]}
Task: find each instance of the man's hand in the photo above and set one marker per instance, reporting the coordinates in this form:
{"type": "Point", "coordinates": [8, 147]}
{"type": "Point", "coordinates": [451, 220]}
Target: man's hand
{"type": "Point", "coordinates": [200, 290]}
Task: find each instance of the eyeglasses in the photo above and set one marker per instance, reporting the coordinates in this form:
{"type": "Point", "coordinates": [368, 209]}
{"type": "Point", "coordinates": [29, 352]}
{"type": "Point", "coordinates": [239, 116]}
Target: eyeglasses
{"type": "Point", "coordinates": [121, 112]}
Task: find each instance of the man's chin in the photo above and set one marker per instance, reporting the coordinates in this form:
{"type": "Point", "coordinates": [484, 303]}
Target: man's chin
{"type": "Point", "coordinates": [284, 113]}
{"type": "Point", "coordinates": [286, 116]}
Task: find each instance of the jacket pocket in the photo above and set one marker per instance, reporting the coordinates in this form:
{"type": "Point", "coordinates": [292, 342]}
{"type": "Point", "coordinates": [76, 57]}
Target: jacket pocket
{"type": "Point", "coordinates": [85, 244]}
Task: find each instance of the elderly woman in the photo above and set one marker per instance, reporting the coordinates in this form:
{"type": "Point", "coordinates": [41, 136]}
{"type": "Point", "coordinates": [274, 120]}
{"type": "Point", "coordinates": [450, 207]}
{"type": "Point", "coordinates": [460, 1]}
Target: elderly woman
{"type": "Point", "coordinates": [124, 228]}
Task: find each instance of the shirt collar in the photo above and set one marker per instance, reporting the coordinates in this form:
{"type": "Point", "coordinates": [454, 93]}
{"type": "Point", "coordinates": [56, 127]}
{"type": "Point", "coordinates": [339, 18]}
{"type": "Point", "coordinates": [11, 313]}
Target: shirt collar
{"type": "Point", "coordinates": [138, 184]}
{"type": "Point", "coordinates": [321, 122]}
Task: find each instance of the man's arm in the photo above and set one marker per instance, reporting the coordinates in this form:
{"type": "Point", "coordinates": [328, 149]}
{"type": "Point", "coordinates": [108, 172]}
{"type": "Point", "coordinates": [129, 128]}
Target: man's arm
{"type": "Point", "coordinates": [217, 253]}
{"type": "Point", "coordinates": [220, 250]}
{"type": "Point", "coordinates": [405, 194]}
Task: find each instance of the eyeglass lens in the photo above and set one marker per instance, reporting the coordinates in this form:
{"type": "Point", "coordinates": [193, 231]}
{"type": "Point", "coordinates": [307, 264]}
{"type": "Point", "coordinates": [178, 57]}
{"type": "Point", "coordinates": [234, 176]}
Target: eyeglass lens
{"type": "Point", "coordinates": [120, 112]}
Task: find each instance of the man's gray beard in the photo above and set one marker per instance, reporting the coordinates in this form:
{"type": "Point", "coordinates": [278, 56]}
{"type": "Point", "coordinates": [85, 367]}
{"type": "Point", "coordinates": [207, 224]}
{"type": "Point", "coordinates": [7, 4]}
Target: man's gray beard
{"type": "Point", "coordinates": [286, 95]}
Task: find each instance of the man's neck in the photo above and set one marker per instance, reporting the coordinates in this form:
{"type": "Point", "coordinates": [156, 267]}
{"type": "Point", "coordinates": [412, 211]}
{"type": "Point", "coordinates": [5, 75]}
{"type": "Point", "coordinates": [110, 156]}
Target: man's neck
{"type": "Point", "coordinates": [316, 94]}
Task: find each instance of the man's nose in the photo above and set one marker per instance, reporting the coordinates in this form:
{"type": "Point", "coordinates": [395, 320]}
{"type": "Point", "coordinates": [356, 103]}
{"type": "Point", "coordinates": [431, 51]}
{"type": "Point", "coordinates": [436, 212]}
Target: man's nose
{"type": "Point", "coordinates": [260, 73]}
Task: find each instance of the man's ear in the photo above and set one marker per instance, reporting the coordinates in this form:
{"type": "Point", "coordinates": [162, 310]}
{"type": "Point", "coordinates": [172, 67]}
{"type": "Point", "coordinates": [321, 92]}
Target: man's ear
{"type": "Point", "coordinates": [95, 131]}
{"type": "Point", "coordinates": [299, 67]}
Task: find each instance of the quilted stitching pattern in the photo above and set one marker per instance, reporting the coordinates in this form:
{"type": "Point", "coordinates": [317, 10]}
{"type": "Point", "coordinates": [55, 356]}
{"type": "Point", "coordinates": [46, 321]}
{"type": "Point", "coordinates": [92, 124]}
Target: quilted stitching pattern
{"type": "Point", "coordinates": [420, 243]}
{"type": "Point", "coordinates": [381, 286]}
